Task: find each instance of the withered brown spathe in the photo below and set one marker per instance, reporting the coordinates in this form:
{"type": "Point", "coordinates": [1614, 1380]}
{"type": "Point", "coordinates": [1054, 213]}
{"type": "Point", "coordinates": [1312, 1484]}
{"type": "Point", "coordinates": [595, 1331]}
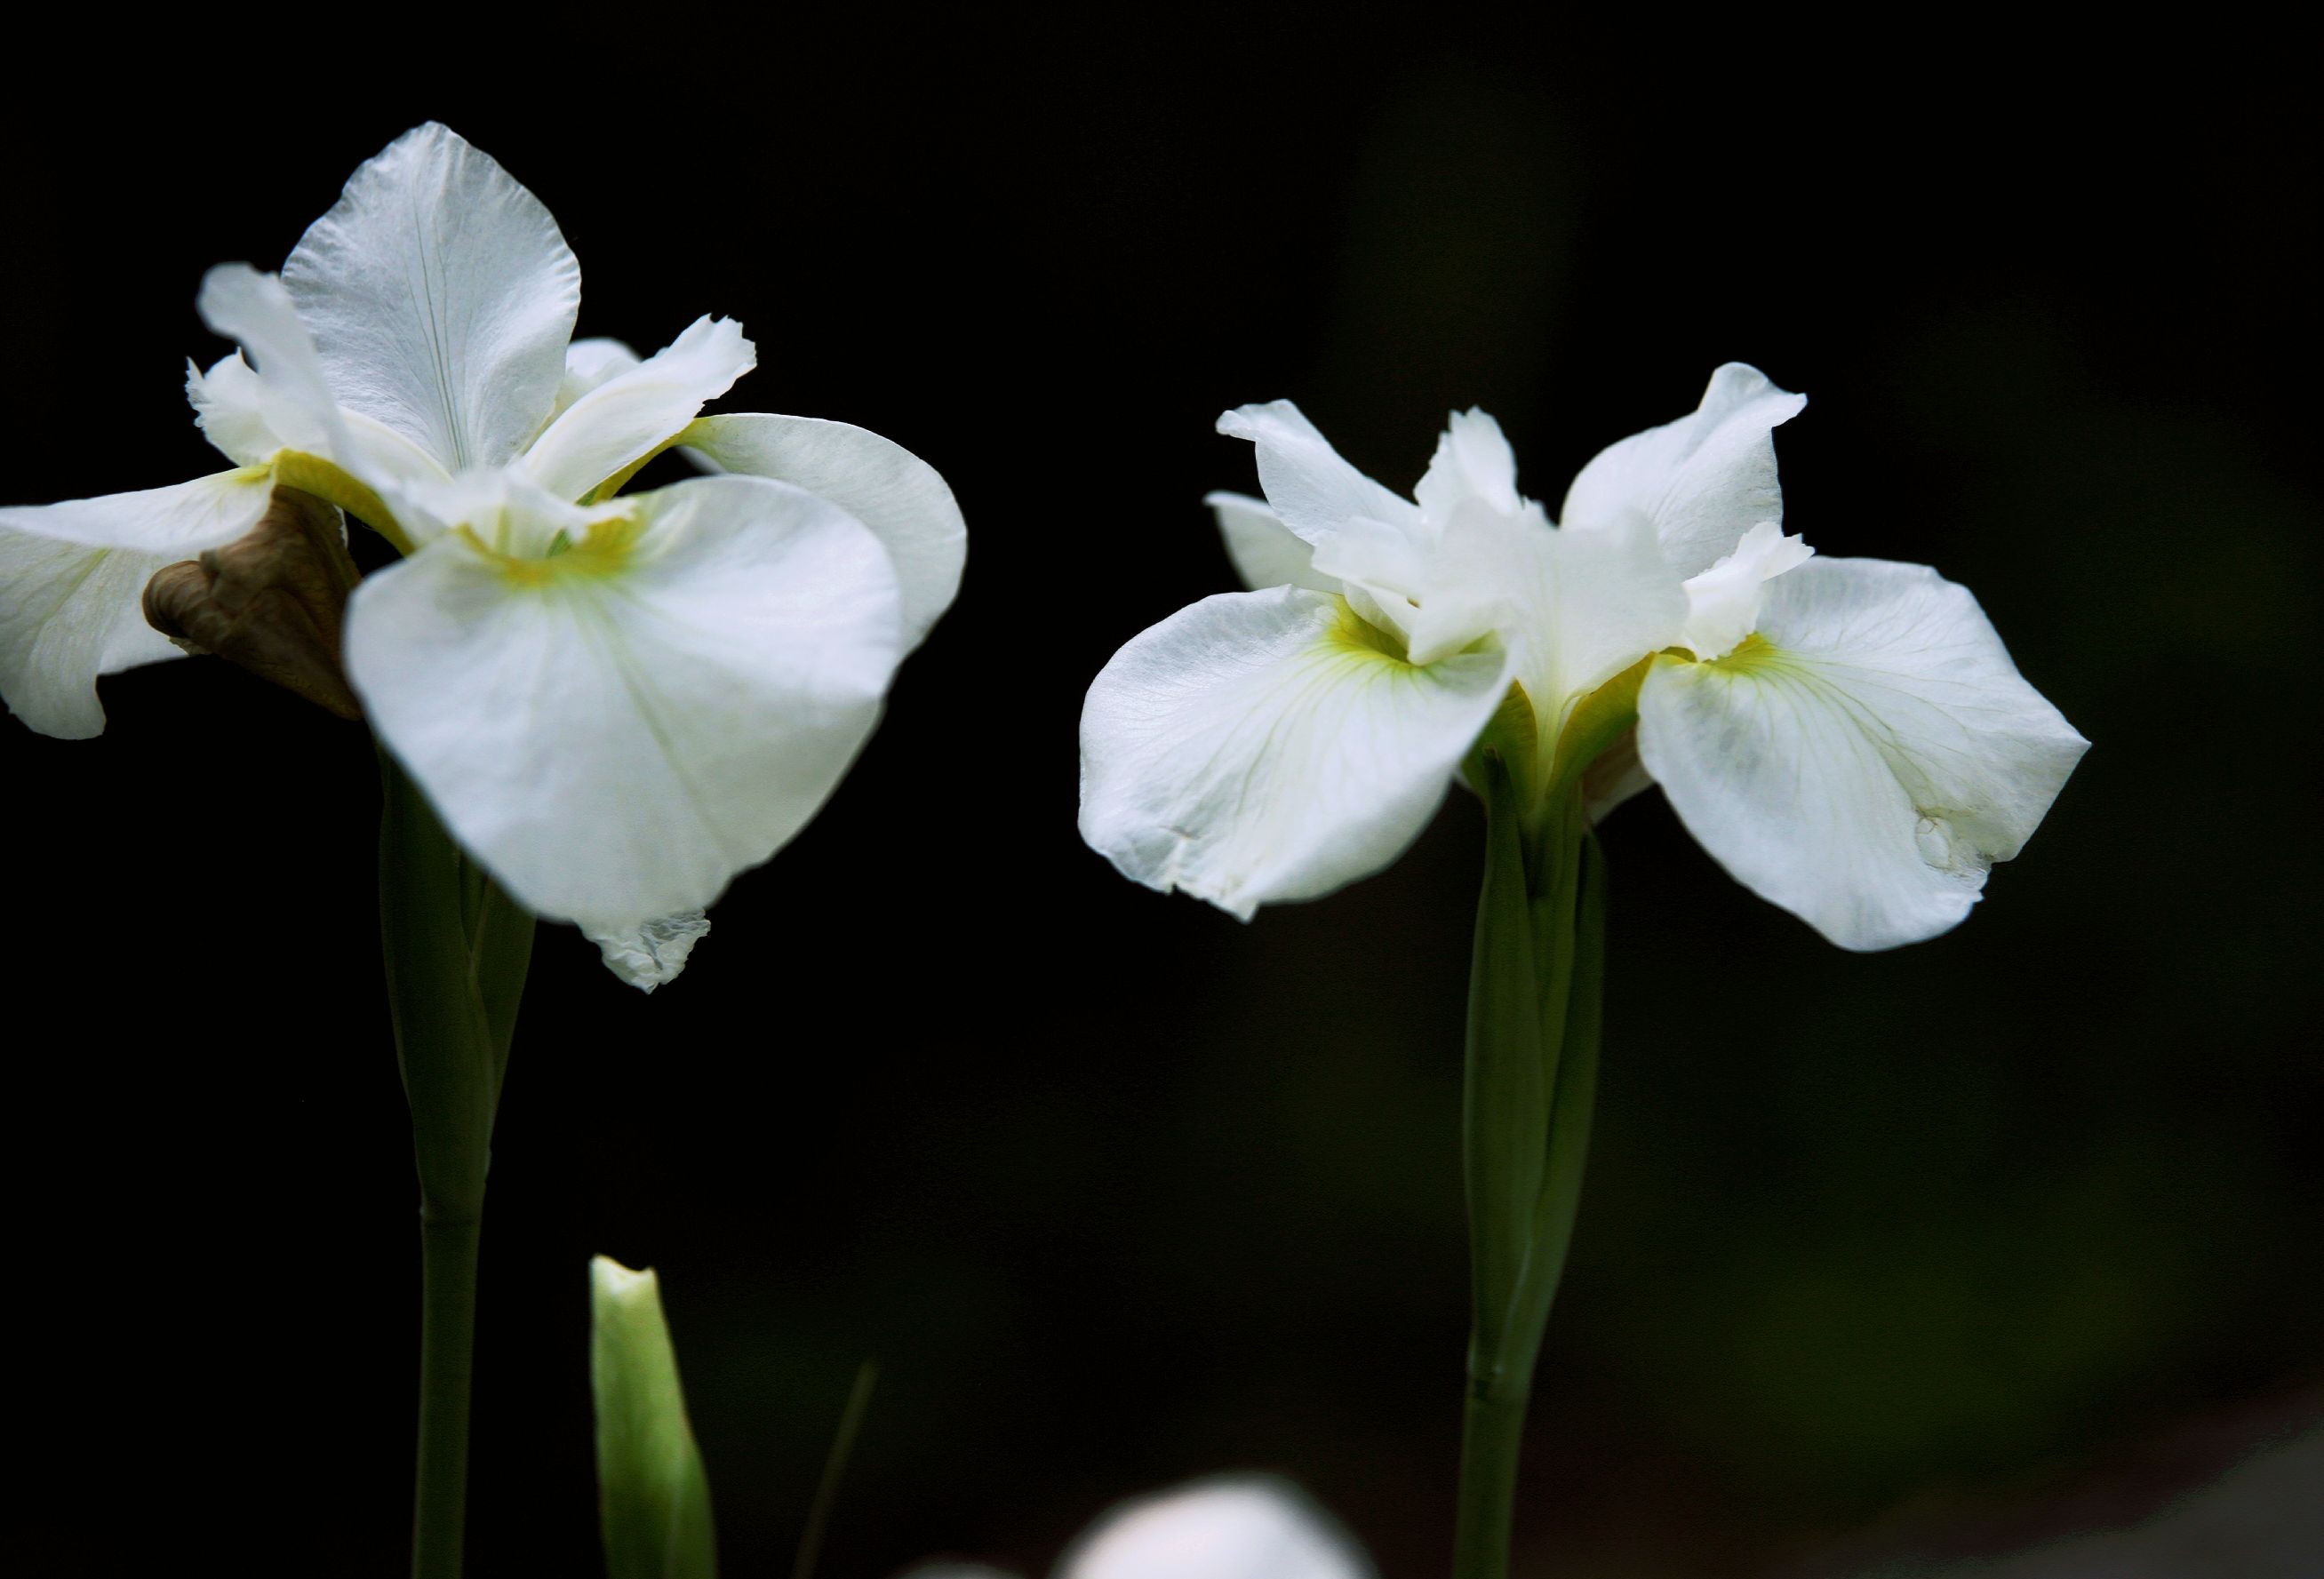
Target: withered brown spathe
{"type": "Point", "coordinates": [270, 601]}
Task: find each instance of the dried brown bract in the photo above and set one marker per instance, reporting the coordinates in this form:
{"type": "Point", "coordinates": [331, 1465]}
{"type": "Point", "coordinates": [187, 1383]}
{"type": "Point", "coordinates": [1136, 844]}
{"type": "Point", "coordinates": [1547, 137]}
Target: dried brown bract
{"type": "Point", "coordinates": [270, 601]}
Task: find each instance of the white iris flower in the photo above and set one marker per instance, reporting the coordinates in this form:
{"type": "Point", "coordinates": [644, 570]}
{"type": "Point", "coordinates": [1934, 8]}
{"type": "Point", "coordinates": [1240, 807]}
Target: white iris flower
{"type": "Point", "coordinates": [1847, 736]}
{"type": "Point", "coordinates": [1235, 1527]}
{"type": "Point", "coordinates": [615, 703]}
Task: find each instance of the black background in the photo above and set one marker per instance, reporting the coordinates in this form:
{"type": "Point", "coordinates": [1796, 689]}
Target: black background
{"type": "Point", "coordinates": [1118, 1190]}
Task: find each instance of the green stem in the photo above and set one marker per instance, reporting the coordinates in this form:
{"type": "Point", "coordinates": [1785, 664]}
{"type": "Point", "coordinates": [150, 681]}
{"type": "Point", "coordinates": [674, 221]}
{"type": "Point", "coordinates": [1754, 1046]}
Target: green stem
{"type": "Point", "coordinates": [1532, 1076]}
{"type": "Point", "coordinates": [447, 1331]}
{"type": "Point", "coordinates": [456, 950]}
{"type": "Point", "coordinates": [1492, 1430]}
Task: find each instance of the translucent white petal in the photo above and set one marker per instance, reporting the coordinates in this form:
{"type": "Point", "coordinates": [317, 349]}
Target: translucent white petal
{"type": "Point", "coordinates": [902, 498]}
{"type": "Point", "coordinates": [1265, 552]}
{"type": "Point", "coordinates": [590, 363]}
{"type": "Point", "coordinates": [1704, 481]}
{"type": "Point", "coordinates": [650, 954]}
{"type": "Point", "coordinates": [286, 384]}
{"type": "Point", "coordinates": [440, 296]}
{"type": "Point", "coordinates": [1722, 603]}
{"type": "Point", "coordinates": [1239, 1528]}
{"type": "Point", "coordinates": [619, 728]}
{"type": "Point", "coordinates": [633, 413]}
{"type": "Point", "coordinates": [72, 584]}
{"type": "Point", "coordinates": [1260, 746]}
{"type": "Point", "coordinates": [1866, 761]}
{"type": "Point", "coordinates": [1472, 461]}
{"type": "Point", "coordinates": [228, 405]}
{"type": "Point", "coordinates": [285, 403]}
{"type": "Point", "coordinates": [1312, 490]}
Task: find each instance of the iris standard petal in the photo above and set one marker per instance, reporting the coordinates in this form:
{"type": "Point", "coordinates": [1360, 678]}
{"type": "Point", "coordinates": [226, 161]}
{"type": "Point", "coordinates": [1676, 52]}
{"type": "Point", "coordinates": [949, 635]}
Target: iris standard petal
{"type": "Point", "coordinates": [1867, 758]}
{"type": "Point", "coordinates": [440, 295]}
{"type": "Point", "coordinates": [590, 363]}
{"type": "Point", "coordinates": [635, 411]}
{"type": "Point", "coordinates": [617, 730]}
{"type": "Point", "coordinates": [72, 584]}
{"type": "Point", "coordinates": [902, 498]}
{"type": "Point", "coordinates": [1260, 746]}
{"type": "Point", "coordinates": [1265, 552]}
{"type": "Point", "coordinates": [1704, 481]}
{"type": "Point", "coordinates": [1311, 488]}
{"type": "Point", "coordinates": [1473, 461]}
{"type": "Point", "coordinates": [1228, 1528]}
{"type": "Point", "coordinates": [286, 382]}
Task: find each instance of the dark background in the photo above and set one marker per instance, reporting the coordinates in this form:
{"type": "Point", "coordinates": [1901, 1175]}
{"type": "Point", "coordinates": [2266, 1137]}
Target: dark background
{"type": "Point", "coordinates": [1878, 1253]}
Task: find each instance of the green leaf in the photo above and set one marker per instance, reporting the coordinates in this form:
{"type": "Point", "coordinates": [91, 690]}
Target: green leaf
{"type": "Point", "coordinates": [1506, 1096]}
{"type": "Point", "coordinates": [653, 1498]}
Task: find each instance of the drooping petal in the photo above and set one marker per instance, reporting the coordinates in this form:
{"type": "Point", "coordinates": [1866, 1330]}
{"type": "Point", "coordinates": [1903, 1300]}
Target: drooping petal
{"type": "Point", "coordinates": [72, 582]}
{"type": "Point", "coordinates": [902, 498]}
{"type": "Point", "coordinates": [1472, 461]}
{"type": "Point", "coordinates": [440, 295]}
{"type": "Point", "coordinates": [1262, 746]}
{"type": "Point", "coordinates": [1265, 552]}
{"type": "Point", "coordinates": [1704, 481]}
{"type": "Point", "coordinates": [1233, 1528]}
{"type": "Point", "coordinates": [1722, 603]}
{"type": "Point", "coordinates": [630, 414]}
{"type": "Point", "coordinates": [618, 729]}
{"type": "Point", "coordinates": [1312, 490]}
{"type": "Point", "coordinates": [650, 954]}
{"type": "Point", "coordinates": [1867, 759]}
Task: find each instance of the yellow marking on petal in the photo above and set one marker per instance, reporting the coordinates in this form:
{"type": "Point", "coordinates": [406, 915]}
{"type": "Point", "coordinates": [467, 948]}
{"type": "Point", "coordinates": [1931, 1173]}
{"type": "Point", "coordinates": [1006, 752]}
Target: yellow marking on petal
{"type": "Point", "coordinates": [620, 479]}
{"type": "Point", "coordinates": [604, 549]}
{"type": "Point", "coordinates": [1755, 651]}
{"type": "Point", "coordinates": [311, 474]}
{"type": "Point", "coordinates": [1353, 633]}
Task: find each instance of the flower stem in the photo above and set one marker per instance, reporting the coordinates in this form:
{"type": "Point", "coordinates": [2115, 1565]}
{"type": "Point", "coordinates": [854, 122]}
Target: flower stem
{"type": "Point", "coordinates": [447, 1330]}
{"type": "Point", "coordinates": [456, 948]}
{"type": "Point", "coordinates": [1532, 1076]}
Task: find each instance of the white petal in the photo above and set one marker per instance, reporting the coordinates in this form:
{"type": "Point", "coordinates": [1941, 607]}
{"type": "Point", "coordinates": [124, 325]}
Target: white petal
{"type": "Point", "coordinates": [440, 296]}
{"type": "Point", "coordinates": [618, 730]}
{"type": "Point", "coordinates": [1722, 603]}
{"type": "Point", "coordinates": [284, 402]}
{"type": "Point", "coordinates": [1472, 461]}
{"type": "Point", "coordinates": [1866, 762]}
{"type": "Point", "coordinates": [1576, 608]}
{"type": "Point", "coordinates": [590, 363]}
{"type": "Point", "coordinates": [72, 585]}
{"type": "Point", "coordinates": [502, 508]}
{"type": "Point", "coordinates": [632, 413]}
{"type": "Point", "coordinates": [229, 408]}
{"type": "Point", "coordinates": [1242, 1528]}
{"type": "Point", "coordinates": [1265, 552]}
{"type": "Point", "coordinates": [286, 382]}
{"type": "Point", "coordinates": [1704, 481]}
{"type": "Point", "coordinates": [1314, 491]}
{"type": "Point", "coordinates": [1260, 746]}
{"type": "Point", "coordinates": [650, 954]}
{"type": "Point", "coordinates": [902, 498]}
